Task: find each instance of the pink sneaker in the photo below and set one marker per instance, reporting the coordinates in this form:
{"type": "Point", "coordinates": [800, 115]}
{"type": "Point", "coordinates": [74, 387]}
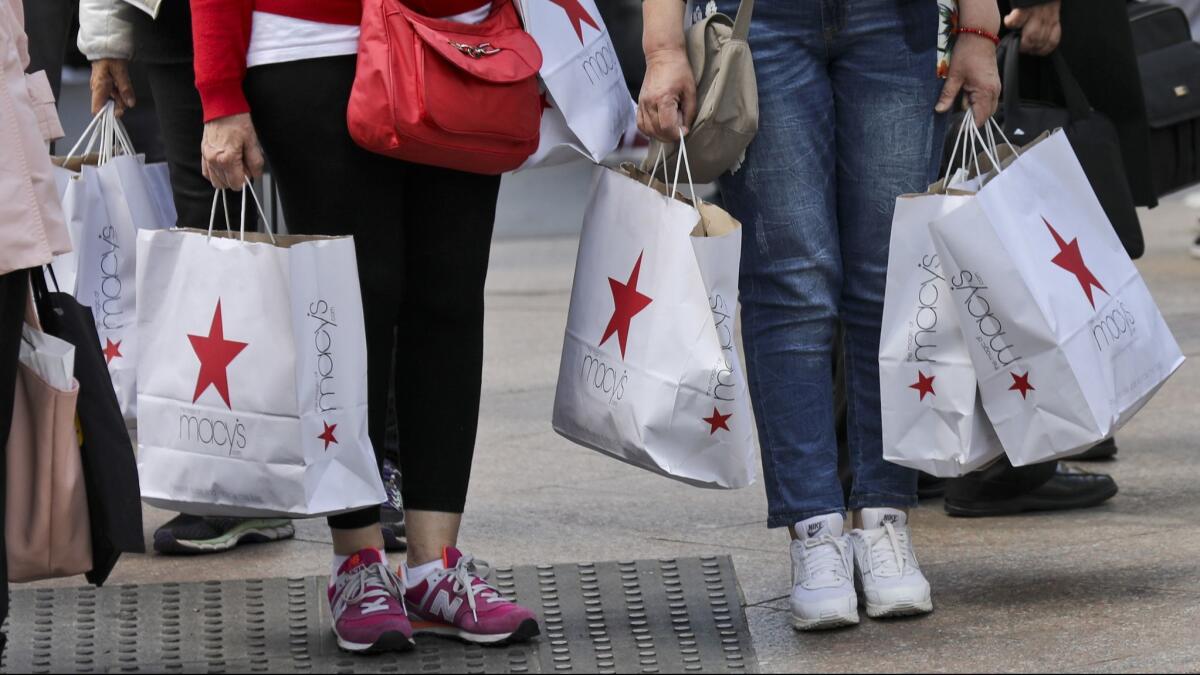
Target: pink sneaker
{"type": "Point", "coordinates": [368, 610]}
{"type": "Point", "coordinates": [457, 602]}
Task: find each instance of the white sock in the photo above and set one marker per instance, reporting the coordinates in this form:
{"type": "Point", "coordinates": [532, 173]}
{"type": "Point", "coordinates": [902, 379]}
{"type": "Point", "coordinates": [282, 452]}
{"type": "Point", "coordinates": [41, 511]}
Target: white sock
{"type": "Point", "coordinates": [339, 560]}
{"type": "Point", "coordinates": [413, 576]}
{"type": "Point", "coordinates": [873, 519]}
{"type": "Point", "coordinates": [830, 523]}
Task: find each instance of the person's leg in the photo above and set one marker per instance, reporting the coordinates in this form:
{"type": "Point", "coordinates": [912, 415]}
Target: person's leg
{"type": "Point", "coordinates": [885, 84]}
{"type": "Point", "coordinates": [13, 289]}
{"type": "Point", "coordinates": [439, 369]}
{"type": "Point", "coordinates": [328, 185]}
{"type": "Point", "coordinates": [439, 362]}
{"type": "Point", "coordinates": [885, 87]}
{"type": "Point", "coordinates": [785, 197]}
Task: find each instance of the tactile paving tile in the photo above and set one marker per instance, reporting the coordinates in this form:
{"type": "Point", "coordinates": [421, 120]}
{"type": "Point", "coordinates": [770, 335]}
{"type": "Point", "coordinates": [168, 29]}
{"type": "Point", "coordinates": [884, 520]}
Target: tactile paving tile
{"type": "Point", "coordinates": [670, 616]}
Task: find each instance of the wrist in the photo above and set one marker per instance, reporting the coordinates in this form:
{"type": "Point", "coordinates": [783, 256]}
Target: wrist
{"type": "Point", "coordinates": [663, 27]}
{"type": "Point", "coordinates": [978, 33]}
{"type": "Point", "coordinates": [981, 14]}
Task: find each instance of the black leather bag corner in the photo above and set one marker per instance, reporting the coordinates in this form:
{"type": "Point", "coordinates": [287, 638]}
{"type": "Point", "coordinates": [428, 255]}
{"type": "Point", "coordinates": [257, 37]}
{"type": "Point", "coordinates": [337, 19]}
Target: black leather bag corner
{"type": "Point", "coordinates": [1169, 63]}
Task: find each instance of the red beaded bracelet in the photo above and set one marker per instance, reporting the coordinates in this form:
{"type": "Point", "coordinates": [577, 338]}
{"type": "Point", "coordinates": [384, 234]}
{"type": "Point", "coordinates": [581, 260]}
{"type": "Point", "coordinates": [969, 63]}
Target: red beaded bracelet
{"type": "Point", "coordinates": [980, 32]}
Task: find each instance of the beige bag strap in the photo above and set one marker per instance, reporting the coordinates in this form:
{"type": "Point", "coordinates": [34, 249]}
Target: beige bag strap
{"type": "Point", "coordinates": [741, 25]}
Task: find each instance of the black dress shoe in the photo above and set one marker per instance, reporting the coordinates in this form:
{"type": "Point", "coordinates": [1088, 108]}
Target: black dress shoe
{"type": "Point", "coordinates": [1100, 452]}
{"type": "Point", "coordinates": [930, 487]}
{"type": "Point", "coordinates": [1068, 488]}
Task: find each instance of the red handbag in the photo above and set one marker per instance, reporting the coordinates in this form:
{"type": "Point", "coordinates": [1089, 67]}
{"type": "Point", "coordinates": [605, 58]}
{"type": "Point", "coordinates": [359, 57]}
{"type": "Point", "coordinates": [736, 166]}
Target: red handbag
{"type": "Point", "coordinates": [431, 91]}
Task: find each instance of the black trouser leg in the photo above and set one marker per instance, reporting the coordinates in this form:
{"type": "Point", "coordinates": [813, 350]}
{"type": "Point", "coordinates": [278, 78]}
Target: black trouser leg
{"type": "Point", "coordinates": [13, 290]}
{"type": "Point", "coordinates": [181, 118]}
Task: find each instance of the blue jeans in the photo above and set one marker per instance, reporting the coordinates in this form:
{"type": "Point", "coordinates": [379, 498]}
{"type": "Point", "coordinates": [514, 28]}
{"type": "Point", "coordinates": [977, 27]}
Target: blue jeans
{"type": "Point", "coordinates": [846, 95]}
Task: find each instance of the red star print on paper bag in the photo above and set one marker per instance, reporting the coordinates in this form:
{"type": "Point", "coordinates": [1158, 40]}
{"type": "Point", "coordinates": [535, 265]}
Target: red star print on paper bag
{"type": "Point", "coordinates": [577, 15]}
{"type": "Point", "coordinates": [215, 354]}
{"type": "Point", "coordinates": [1021, 384]}
{"type": "Point", "coordinates": [328, 436]}
{"type": "Point", "coordinates": [1070, 258]}
{"type": "Point", "coordinates": [112, 350]}
{"type": "Point", "coordinates": [627, 303]}
{"type": "Point", "coordinates": [924, 384]}
{"type": "Point", "coordinates": [718, 421]}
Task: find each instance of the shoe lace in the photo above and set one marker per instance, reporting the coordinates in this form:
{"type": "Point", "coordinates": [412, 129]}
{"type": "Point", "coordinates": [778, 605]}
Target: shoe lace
{"type": "Point", "coordinates": [370, 585]}
{"type": "Point", "coordinates": [825, 560]}
{"type": "Point", "coordinates": [468, 576]}
{"type": "Point", "coordinates": [891, 554]}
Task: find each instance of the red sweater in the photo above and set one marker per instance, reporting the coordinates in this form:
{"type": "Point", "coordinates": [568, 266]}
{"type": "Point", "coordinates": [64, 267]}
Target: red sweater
{"type": "Point", "coordinates": [221, 30]}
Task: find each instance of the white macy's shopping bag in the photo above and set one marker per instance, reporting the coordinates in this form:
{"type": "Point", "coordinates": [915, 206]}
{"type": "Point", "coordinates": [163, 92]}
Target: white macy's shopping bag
{"type": "Point", "coordinates": [107, 199]}
{"type": "Point", "coordinates": [650, 372]}
{"type": "Point", "coordinates": [1067, 343]}
{"type": "Point", "coordinates": [933, 418]}
{"type": "Point", "coordinates": [582, 75]}
{"type": "Point", "coordinates": [252, 376]}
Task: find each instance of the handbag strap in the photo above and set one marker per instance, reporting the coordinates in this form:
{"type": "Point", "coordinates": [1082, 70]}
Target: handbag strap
{"type": "Point", "coordinates": [1077, 103]}
{"type": "Point", "coordinates": [741, 25]}
{"type": "Point", "coordinates": [31, 313]}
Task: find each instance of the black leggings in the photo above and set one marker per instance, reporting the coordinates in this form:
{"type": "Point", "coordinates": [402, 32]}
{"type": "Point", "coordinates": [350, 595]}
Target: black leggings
{"type": "Point", "coordinates": [422, 235]}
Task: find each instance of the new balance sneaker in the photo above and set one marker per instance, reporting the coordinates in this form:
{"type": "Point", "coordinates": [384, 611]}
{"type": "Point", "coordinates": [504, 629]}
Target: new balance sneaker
{"type": "Point", "coordinates": [367, 602]}
{"type": "Point", "coordinates": [185, 534]}
{"type": "Point", "coordinates": [822, 575]}
{"type": "Point", "coordinates": [886, 567]}
{"type": "Point", "coordinates": [455, 601]}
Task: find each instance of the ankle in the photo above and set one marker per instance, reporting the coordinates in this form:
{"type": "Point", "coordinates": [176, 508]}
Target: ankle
{"type": "Point", "coordinates": [415, 574]}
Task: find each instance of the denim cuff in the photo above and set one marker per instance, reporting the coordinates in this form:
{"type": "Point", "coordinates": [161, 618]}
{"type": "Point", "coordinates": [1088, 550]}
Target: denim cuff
{"type": "Point", "coordinates": [880, 501]}
{"type": "Point", "coordinates": [789, 519]}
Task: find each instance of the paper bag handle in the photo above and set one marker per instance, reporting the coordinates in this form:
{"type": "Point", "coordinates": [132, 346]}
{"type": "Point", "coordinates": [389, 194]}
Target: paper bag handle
{"type": "Point", "coordinates": [220, 194]}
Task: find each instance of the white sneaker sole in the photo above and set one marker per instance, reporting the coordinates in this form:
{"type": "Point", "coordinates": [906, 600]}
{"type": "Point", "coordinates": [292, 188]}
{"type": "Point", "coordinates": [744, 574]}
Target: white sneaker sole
{"type": "Point", "coordinates": [898, 609]}
{"type": "Point", "coordinates": [827, 621]}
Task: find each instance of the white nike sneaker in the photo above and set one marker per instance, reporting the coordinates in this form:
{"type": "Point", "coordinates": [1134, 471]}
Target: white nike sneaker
{"type": "Point", "coordinates": [822, 576]}
{"type": "Point", "coordinates": [886, 567]}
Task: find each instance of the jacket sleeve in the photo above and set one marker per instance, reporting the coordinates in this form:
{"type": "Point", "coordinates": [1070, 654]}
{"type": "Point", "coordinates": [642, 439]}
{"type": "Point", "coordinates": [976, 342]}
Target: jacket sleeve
{"type": "Point", "coordinates": [105, 31]}
{"type": "Point", "coordinates": [1028, 3]}
{"type": "Point", "coordinates": [221, 33]}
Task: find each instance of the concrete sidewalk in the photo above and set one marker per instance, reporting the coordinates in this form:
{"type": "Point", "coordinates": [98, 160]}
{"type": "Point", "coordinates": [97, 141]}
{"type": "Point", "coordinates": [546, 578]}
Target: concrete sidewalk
{"type": "Point", "coordinates": [1116, 588]}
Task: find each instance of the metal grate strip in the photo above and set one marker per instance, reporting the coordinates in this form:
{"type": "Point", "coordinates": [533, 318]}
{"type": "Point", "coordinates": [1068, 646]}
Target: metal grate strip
{"type": "Point", "coordinates": [676, 615]}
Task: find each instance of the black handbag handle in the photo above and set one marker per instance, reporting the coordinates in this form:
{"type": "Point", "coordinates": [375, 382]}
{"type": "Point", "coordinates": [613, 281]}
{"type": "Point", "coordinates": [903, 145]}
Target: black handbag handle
{"type": "Point", "coordinates": [41, 295]}
{"type": "Point", "coordinates": [1077, 103]}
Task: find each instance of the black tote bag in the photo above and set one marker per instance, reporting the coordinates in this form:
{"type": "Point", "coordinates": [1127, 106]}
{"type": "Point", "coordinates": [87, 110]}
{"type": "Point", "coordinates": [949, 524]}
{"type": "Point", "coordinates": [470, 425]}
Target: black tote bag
{"type": "Point", "coordinates": [109, 465]}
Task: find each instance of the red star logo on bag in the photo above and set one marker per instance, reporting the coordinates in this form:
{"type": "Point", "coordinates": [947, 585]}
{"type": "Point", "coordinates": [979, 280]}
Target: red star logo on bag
{"type": "Point", "coordinates": [1071, 259]}
{"type": "Point", "coordinates": [718, 421]}
{"type": "Point", "coordinates": [924, 384]}
{"type": "Point", "coordinates": [1021, 384]}
{"type": "Point", "coordinates": [328, 436]}
{"type": "Point", "coordinates": [112, 350]}
{"type": "Point", "coordinates": [577, 15]}
{"type": "Point", "coordinates": [627, 303]}
{"type": "Point", "coordinates": [215, 354]}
